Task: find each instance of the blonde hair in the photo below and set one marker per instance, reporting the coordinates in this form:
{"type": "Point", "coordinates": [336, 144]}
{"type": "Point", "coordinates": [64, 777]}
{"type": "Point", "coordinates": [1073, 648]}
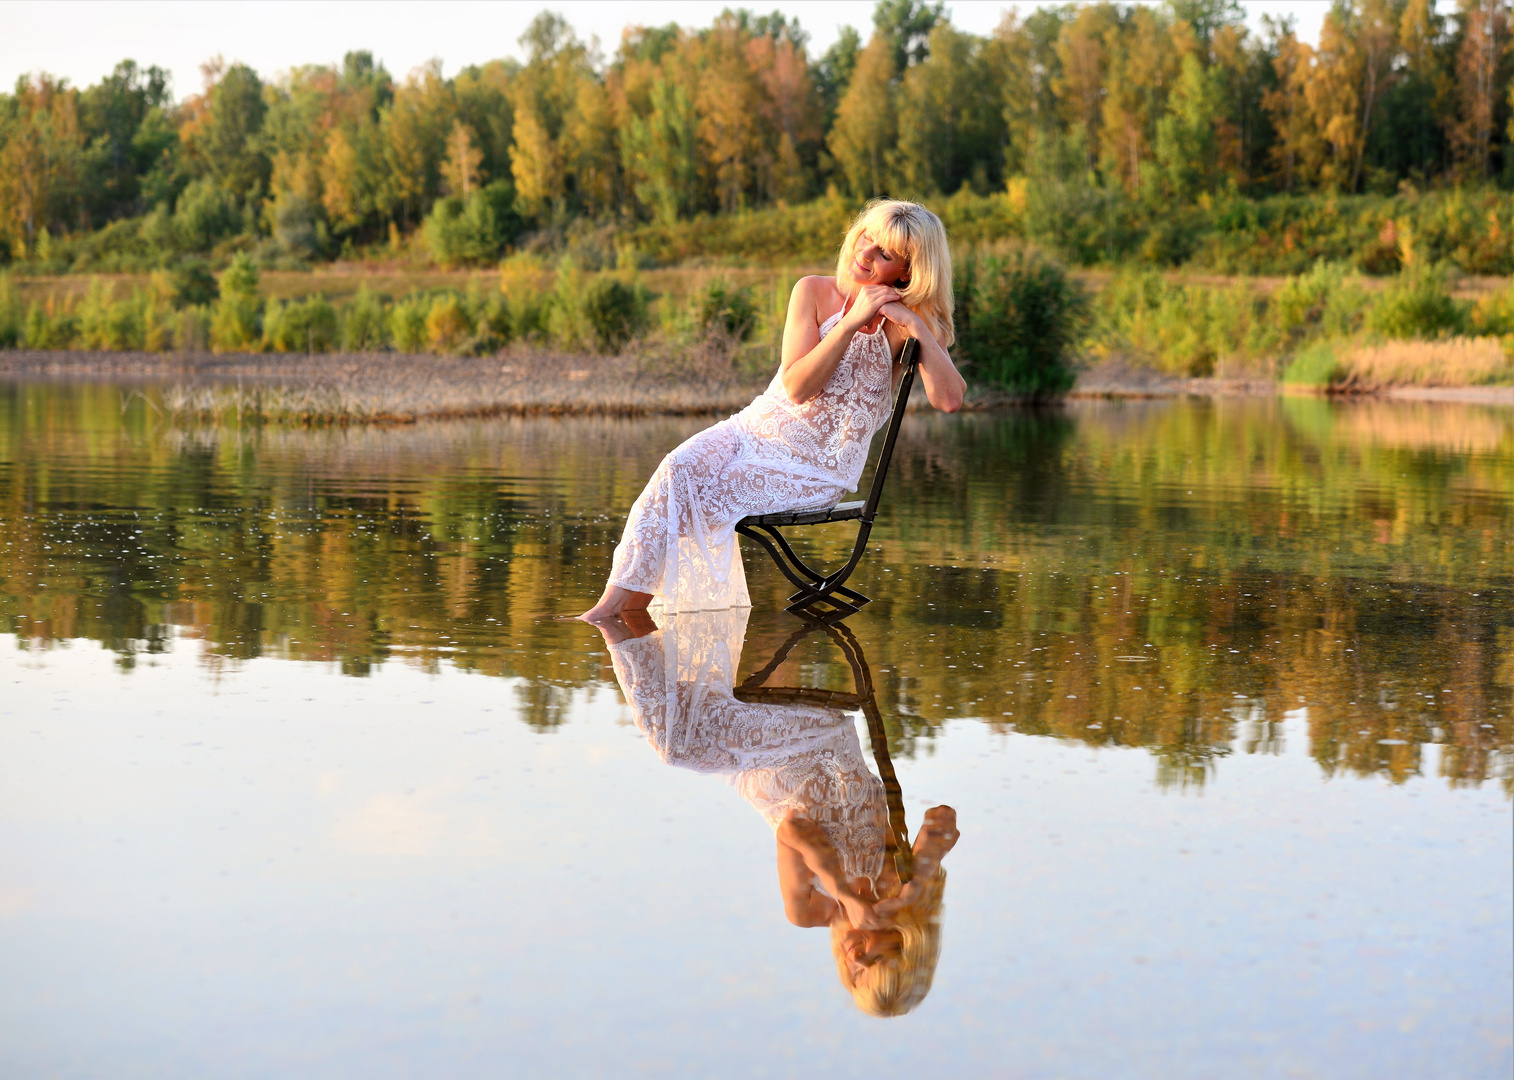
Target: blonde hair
{"type": "Point", "coordinates": [894, 987]}
{"type": "Point", "coordinates": [911, 230]}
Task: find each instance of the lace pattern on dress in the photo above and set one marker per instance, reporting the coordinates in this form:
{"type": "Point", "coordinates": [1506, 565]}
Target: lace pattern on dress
{"type": "Point", "coordinates": [780, 758]}
{"type": "Point", "coordinates": [680, 542]}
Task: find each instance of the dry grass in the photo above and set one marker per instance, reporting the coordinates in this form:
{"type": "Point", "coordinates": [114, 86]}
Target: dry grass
{"type": "Point", "coordinates": [398, 388]}
{"type": "Point", "coordinates": [1461, 361]}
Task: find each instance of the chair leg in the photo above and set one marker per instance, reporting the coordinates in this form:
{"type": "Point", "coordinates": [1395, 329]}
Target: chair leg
{"type": "Point", "coordinates": [814, 587]}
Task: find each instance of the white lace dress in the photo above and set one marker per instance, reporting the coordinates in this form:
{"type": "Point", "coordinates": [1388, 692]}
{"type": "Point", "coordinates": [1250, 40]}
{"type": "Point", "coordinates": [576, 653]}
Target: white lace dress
{"type": "Point", "coordinates": [680, 541]}
{"type": "Point", "coordinates": [779, 757]}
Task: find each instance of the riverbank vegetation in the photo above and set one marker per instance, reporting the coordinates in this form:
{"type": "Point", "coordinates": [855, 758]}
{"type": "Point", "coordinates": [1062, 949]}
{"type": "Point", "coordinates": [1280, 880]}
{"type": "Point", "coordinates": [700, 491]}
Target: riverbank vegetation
{"type": "Point", "coordinates": [1103, 133]}
{"type": "Point", "coordinates": [1025, 323]}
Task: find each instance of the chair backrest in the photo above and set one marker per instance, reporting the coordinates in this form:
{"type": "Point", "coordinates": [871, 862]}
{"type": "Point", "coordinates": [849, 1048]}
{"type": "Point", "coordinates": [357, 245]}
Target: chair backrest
{"type": "Point", "coordinates": [910, 358]}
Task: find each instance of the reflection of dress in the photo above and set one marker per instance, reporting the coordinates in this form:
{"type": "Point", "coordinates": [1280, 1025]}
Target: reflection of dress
{"type": "Point", "coordinates": [679, 542]}
{"type": "Point", "coordinates": [779, 757]}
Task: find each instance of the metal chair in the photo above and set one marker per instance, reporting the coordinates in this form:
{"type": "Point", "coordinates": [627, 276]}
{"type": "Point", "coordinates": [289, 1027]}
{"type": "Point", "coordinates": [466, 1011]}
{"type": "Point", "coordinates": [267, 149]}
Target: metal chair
{"type": "Point", "coordinates": [865, 698]}
{"type": "Point", "coordinates": [814, 586]}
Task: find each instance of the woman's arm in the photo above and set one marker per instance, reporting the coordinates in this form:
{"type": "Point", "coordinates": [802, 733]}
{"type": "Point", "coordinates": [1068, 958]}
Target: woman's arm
{"type": "Point", "coordinates": [804, 854]}
{"type": "Point", "coordinates": [944, 385]}
{"type": "Point", "coordinates": [808, 360]}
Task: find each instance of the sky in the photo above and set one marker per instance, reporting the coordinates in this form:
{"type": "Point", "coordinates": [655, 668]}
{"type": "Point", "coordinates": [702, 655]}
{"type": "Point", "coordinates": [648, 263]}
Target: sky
{"type": "Point", "coordinates": [83, 40]}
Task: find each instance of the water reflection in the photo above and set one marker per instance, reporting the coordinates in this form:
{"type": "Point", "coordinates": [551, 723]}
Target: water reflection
{"type": "Point", "coordinates": [844, 858]}
{"type": "Point", "coordinates": [1343, 574]}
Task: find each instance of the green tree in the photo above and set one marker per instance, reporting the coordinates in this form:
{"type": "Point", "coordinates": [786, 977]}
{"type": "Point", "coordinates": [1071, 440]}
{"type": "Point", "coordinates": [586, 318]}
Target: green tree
{"type": "Point", "coordinates": [863, 138]}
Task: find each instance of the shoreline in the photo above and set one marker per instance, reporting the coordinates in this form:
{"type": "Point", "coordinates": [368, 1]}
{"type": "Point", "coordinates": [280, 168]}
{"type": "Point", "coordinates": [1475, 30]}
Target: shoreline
{"type": "Point", "coordinates": [393, 387]}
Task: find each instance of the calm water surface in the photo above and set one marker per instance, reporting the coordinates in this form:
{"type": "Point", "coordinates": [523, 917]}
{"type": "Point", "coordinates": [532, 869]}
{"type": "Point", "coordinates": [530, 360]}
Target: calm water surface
{"type": "Point", "coordinates": [302, 774]}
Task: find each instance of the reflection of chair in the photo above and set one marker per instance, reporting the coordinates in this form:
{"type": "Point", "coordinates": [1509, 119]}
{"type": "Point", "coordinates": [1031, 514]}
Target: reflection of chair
{"type": "Point", "coordinates": [753, 690]}
{"type": "Point", "coordinates": [815, 587]}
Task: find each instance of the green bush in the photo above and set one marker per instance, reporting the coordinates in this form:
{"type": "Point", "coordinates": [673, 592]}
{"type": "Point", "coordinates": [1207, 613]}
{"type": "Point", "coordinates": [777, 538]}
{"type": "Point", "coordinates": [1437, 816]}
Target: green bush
{"type": "Point", "coordinates": [1018, 319]}
{"type": "Point", "coordinates": [1417, 305]}
{"type": "Point", "coordinates": [567, 323]}
{"type": "Point", "coordinates": [12, 314]}
{"type": "Point", "coordinates": [205, 214]}
{"type": "Point", "coordinates": [407, 323]}
{"type": "Point", "coordinates": [1317, 365]}
{"type": "Point", "coordinates": [727, 308]}
{"type": "Point", "coordinates": [1492, 315]}
{"type": "Point", "coordinates": [308, 325]}
{"type": "Point", "coordinates": [524, 300]}
{"type": "Point", "coordinates": [616, 311]}
{"type": "Point", "coordinates": [363, 323]}
{"type": "Point", "coordinates": [448, 326]}
{"type": "Point", "coordinates": [107, 323]}
{"type": "Point", "coordinates": [193, 284]}
{"type": "Point", "coordinates": [472, 232]}
{"type": "Point", "coordinates": [237, 318]}
{"type": "Point", "coordinates": [48, 328]}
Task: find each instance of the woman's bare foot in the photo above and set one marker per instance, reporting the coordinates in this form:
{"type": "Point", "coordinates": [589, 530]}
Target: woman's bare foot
{"type": "Point", "coordinates": [614, 602]}
{"type": "Point", "coordinates": [632, 623]}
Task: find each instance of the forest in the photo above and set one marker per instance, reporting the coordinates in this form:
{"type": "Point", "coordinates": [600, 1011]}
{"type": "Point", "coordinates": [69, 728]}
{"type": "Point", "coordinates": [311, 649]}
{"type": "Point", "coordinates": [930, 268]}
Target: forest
{"type": "Point", "coordinates": [1104, 132]}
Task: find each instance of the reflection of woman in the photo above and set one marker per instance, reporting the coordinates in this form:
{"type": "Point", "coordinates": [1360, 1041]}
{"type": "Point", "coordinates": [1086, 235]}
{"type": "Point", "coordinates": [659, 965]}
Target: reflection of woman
{"type": "Point", "coordinates": [802, 768]}
{"type": "Point", "coordinates": [802, 444]}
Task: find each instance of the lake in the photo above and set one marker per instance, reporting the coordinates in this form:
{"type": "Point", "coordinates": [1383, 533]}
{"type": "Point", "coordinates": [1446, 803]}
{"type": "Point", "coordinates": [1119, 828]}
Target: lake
{"type": "Point", "coordinates": [302, 772]}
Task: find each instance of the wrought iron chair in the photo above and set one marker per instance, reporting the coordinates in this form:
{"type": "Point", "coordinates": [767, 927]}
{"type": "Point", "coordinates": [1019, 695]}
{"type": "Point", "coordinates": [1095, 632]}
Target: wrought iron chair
{"type": "Point", "coordinates": [753, 690]}
{"type": "Point", "coordinates": [814, 586]}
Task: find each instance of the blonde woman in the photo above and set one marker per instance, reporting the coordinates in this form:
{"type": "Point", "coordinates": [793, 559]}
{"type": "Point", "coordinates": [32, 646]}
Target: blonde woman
{"type": "Point", "coordinates": [802, 768]}
{"type": "Point", "coordinates": [803, 443]}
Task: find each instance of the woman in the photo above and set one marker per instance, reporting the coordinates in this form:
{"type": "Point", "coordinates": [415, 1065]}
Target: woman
{"type": "Point", "coordinates": [803, 443]}
{"type": "Point", "coordinates": [802, 768]}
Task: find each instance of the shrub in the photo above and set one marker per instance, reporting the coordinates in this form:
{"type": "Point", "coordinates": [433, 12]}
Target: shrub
{"type": "Point", "coordinates": [1417, 305]}
{"type": "Point", "coordinates": [447, 324]}
{"type": "Point", "coordinates": [191, 329]}
{"type": "Point", "coordinates": [48, 328]}
{"type": "Point", "coordinates": [566, 322]}
{"type": "Point", "coordinates": [725, 307]}
{"type": "Point", "coordinates": [616, 311]}
{"type": "Point", "coordinates": [407, 324]}
{"type": "Point", "coordinates": [1317, 365]}
{"type": "Point", "coordinates": [472, 232]}
{"type": "Point", "coordinates": [193, 284]}
{"type": "Point", "coordinates": [107, 323]}
{"type": "Point", "coordinates": [12, 314]}
{"type": "Point", "coordinates": [1020, 316]}
{"type": "Point", "coordinates": [205, 213]}
{"type": "Point", "coordinates": [520, 284]}
{"type": "Point", "coordinates": [237, 316]}
{"type": "Point", "coordinates": [363, 328]}
{"type": "Point", "coordinates": [308, 325]}
{"type": "Point", "coordinates": [1493, 314]}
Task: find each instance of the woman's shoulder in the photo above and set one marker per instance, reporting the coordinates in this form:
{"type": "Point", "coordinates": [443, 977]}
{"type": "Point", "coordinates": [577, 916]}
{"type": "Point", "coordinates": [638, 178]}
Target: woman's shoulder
{"type": "Point", "coordinates": [820, 291]}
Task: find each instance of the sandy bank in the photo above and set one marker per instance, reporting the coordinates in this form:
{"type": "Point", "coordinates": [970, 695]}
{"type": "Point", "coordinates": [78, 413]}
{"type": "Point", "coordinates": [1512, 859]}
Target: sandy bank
{"type": "Point", "coordinates": [397, 387]}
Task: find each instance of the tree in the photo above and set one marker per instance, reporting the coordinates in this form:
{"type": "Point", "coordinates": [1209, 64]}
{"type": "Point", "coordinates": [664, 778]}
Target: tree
{"type": "Point", "coordinates": [1482, 70]}
{"type": "Point", "coordinates": [661, 153]}
{"type": "Point", "coordinates": [1298, 151]}
{"type": "Point", "coordinates": [833, 74]}
{"type": "Point", "coordinates": [907, 24]}
{"type": "Point", "coordinates": [1187, 147]}
{"type": "Point", "coordinates": [40, 156]}
{"type": "Point", "coordinates": [863, 137]}
{"type": "Point", "coordinates": [955, 125]}
{"type": "Point", "coordinates": [225, 143]}
{"type": "Point", "coordinates": [111, 117]}
{"type": "Point", "coordinates": [460, 168]}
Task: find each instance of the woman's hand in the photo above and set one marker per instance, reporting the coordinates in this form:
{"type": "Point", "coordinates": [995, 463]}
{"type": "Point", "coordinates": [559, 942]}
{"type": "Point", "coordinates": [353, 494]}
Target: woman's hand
{"type": "Point", "coordinates": [870, 300]}
{"type": "Point", "coordinates": [911, 323]}
{"type": "Point", "coordinates": [862, 914]}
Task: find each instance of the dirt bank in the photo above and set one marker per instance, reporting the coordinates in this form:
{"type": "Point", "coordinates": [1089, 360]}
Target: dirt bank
{"type": "Point", "coordinates": [396, 387]}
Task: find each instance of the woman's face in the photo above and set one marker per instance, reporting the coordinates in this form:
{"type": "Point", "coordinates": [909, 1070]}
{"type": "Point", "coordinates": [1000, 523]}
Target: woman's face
{"type": "Point", "coordinates": [864, 948]}
{"type": "Point", "coordinates": [873, 264]}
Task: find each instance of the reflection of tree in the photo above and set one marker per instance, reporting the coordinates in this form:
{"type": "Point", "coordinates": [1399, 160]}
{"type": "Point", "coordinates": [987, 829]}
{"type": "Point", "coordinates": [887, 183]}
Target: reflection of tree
{"type": "Point", "coordinates": [1323, 567]}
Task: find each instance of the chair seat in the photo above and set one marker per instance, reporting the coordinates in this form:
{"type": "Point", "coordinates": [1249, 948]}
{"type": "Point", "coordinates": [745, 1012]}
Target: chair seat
{"type": "Point", "coordinates": [847, 511]}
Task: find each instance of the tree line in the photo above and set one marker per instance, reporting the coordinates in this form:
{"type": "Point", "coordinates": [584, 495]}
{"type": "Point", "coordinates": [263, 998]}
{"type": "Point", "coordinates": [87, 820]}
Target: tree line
{"type": "Point", "coordinates": [1153, 106]}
